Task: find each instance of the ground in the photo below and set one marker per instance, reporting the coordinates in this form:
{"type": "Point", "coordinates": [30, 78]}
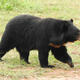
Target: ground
{"type": "Point", "coordinates": [14, 69]}
{"type": "Point", "coordinates": [56, 74]}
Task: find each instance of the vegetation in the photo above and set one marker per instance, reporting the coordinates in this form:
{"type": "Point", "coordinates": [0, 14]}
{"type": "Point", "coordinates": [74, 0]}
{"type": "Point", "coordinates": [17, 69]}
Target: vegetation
{"type": "Point", "coordinates": [14, 69]}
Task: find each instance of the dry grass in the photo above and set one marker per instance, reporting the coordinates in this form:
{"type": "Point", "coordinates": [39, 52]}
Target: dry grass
{"type": "Point", "coordinates": [14, 69]}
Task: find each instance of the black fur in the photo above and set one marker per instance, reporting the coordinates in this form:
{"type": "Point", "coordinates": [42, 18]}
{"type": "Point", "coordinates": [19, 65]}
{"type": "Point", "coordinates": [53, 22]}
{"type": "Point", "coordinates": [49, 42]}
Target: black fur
{"type": "Point", "coordinates": [27, 33]}
{"type": "Point", "coordinates": [62, 55]}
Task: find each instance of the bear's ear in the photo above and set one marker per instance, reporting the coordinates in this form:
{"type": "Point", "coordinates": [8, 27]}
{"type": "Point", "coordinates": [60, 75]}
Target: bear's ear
{"type": "Point", "coordinates": [71, 20]}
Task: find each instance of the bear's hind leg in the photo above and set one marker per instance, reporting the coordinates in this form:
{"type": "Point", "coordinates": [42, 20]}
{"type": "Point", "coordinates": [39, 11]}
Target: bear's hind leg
{"type": "Point", "coordinates": [24, 54]}
{"type": "Point", "coordinates": [6, 44]}
{"type": "Point", "coordinates": [3, 49]}
{"type": "Point", "coordinates": [2, 53]}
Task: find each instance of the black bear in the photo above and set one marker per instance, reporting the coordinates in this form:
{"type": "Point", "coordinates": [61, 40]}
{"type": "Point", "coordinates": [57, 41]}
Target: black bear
{"type": "Point", "coordinates": [26, 32]}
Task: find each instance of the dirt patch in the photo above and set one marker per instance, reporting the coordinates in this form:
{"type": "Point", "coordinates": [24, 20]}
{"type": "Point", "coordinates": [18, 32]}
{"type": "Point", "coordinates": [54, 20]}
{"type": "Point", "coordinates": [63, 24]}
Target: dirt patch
{"type": "Point", "coordinates": [58, 74]}
{"type": "Point", "coordinates": [23, 69]}
{"type": "Point", "coordinates": [5, 78]}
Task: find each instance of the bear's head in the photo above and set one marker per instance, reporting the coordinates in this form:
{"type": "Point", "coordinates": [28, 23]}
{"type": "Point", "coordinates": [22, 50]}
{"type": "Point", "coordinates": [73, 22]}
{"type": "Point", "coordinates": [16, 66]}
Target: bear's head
{"type": "Point", "coordinates": [64, 31]}
{"type": "Point", "coordinates": [72, 33]}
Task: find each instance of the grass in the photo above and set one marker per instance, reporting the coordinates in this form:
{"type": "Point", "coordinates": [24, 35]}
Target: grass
{"type": "Point", "coordinates": [12, 68]}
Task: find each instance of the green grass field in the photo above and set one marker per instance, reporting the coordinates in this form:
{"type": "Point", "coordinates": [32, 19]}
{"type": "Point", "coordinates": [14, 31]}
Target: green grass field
{"type": "Point", "coordinates": [14, 69]}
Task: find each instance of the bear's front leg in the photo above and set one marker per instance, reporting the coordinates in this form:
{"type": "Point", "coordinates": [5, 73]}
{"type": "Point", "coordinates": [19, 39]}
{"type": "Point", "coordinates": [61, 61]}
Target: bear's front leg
{"type": "Point", "coordinates": [43, 58]}
{"type": "Point", "coordinates": [62, 55]}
